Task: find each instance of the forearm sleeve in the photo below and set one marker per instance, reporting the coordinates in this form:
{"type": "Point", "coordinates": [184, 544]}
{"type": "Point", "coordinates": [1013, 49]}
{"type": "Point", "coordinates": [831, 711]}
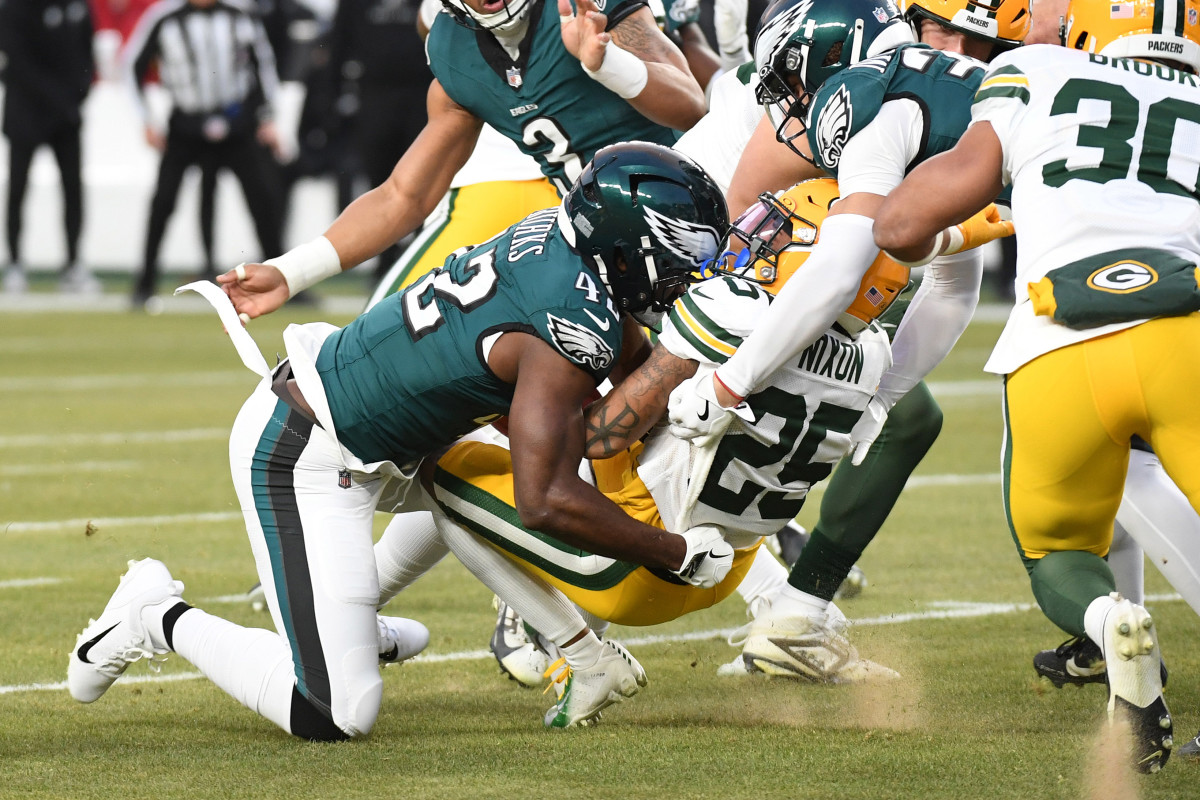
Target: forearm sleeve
{"type": "Point", "coordinates": [937, 316]}
{"type": "Point", "coordinates": [808, 304]}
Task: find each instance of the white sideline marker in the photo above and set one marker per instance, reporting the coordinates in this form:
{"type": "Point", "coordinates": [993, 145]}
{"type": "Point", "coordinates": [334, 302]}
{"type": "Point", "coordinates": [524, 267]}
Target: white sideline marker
{"type": "Point", "coordinates": [939, 610]}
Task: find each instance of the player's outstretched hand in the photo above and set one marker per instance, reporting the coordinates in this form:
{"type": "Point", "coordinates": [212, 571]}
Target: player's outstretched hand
{"type": "Point", "coordinates": [695, 414]}
{"type": "Point", "coordinates": [866, 430]}
{"type": "Point", "coordinates": [978, 230]}
{"type": "Point", "coordinates": [708, 558]}
{"type": "Point", "coordinates": [254, 289]}
{"type": "Point", "coordinates": [583, 31]}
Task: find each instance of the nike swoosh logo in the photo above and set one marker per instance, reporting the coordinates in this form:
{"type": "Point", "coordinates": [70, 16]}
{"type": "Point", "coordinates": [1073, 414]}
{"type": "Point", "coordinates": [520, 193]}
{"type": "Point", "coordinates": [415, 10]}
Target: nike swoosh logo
{"type": "Point", "coordinates": [1155, 754]}
{"type": "Point", "coordinates": [704, 416]}
{"type": "Point", "coordinates": [604, 324]}
{"type": "Point", "coordinates": [87, 646]}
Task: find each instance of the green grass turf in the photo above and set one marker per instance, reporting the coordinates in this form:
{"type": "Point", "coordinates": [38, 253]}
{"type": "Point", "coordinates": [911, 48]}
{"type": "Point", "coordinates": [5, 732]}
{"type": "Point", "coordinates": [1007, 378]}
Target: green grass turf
{"type": "Point", "coordinates": [81, 393]}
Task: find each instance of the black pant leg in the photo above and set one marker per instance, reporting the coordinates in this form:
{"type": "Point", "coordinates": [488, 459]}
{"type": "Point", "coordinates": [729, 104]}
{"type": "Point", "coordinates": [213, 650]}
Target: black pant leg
{"type": "Point", "coordinates": [67, 152]}
{"type": "Point", "coordinates": [208, 212]}
{"type": "Point", "coordinates": [262, 187]}
{"type": "Point", "coordinates": [20, 156]}
{"type": "Point", "coordinates": [181, 152]}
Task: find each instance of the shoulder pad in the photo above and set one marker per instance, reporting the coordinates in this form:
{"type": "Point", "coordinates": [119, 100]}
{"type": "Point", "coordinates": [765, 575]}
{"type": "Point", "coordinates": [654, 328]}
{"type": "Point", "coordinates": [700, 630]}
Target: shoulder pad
{"type": "Point", "coordinates": [709, 322]}
{"type": "Point", "coordinates": [843, 106]}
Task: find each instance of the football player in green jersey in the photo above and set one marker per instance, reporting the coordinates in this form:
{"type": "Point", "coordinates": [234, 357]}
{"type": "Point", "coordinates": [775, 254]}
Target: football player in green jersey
{"type": "Point", "coordinates": [849, 97]}
{"type": "Point", "coordinates": [559, 84]}
{"type": "Point", "coordinates": [525, 324]}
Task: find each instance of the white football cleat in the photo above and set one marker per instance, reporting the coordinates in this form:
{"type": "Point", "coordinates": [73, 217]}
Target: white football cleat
{"type": "Point", "coordinates": [806, 648]}
{"type": "Point", "coordinates": [520, 656]}
{"type": "Point", "coordinates": [400, 639]}
{"type": "Point", "coordinates": [584, 693]}
{"type": "Point", "coordinates": [1133, 660]}
{"type": "Point", "coordinates": [118, 637]}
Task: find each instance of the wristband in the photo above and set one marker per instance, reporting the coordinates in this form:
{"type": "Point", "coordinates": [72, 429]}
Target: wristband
{"type": "Point", "coordinates": [621, 72]}
{"type": "Point", "coordinates": [725, 386]}
{"type": "Point", "coordinates": [306, 264]}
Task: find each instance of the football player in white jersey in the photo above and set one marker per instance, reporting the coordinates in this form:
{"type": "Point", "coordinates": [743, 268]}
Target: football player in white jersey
{"type": "Point", "coordinates": [1102, 346]}
{"type": "Point", "coordinates": [746, 484]}
{"type": "Point", "coordinates": [874, 158]}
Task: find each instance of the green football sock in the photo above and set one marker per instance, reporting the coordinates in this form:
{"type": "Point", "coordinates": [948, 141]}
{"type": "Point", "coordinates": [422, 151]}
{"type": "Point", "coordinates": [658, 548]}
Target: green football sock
{"type": "Point", "coordinates": [1065, 583]}
{"type": "Point", "coordinates": [858, 499]}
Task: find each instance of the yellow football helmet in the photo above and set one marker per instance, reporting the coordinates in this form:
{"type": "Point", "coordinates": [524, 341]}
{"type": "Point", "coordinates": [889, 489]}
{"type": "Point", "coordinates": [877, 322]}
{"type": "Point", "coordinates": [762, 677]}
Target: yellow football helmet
{"type": "Point", "coordinates": [1005, 22]}
{"type": "Point", "coordinates": [779, 233]}
{"type": "Point", "coordinates": [1167, 30]}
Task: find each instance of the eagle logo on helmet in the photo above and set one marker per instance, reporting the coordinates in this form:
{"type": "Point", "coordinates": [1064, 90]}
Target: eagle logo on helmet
{"type": "Point", "coordinates": [776, 32]}
{"type": "Point", "coordinates": [579, 343]}
{"type": "Point", "coordinates": [833, 127]}
{"type": "Point", "coordinates": [693, 243]}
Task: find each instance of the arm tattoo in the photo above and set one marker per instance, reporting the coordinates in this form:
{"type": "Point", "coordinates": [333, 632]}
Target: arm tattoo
{"type": "Point", "coordinates": [642, 39]}
{"type": "Point", "coordinates": [631, 410]}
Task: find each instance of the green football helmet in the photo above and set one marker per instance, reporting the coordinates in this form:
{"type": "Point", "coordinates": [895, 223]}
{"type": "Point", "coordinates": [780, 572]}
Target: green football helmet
{"type": "Point", "coordinates": [803, 43]}
{"type": "Point", "coordinates": [647, 219]}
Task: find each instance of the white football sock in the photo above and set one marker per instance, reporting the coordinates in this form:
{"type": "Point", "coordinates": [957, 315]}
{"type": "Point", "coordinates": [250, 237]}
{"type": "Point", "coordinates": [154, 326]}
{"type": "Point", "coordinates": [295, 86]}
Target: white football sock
{"type": "Point", "coordinates": [252, 665]}
{"type": "Point", "coordinates": [542, 606]}
{"type": "Point", "coordinates": [410, 547]}
{"type": "Point", "coordinates": [789, 601]}
{"type": "Point", "coordinates": [1158, 515]}
{"type": "Point", "coordinates": [765, 577]}
{"type": "Point", "coordinates": [1093, 618]}
{"type": "Point", "coordinates": [1128, 564]}
{"type": "Point", "coordinates": [584, 653]}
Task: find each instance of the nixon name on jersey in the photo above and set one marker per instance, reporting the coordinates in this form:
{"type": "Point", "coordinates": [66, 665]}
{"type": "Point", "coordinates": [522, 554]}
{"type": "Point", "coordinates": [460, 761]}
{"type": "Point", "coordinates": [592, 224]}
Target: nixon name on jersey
{"type": "Point", "coordinates": [833, 357]}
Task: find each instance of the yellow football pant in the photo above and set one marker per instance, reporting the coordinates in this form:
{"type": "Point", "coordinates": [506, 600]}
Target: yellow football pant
{"type": "Point", "coordinates": [473, 484]}
{"type": "Point", "coordinates": [1069, 416]}
{"type": "Point", "coordinates": [467, 216]}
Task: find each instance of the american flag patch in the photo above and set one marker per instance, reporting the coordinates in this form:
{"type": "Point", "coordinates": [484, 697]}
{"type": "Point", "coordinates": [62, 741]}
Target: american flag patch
{"type": "Point", "coordinates": [874, 296]}
{"type": "Point", "coordinates": [1120, 11]}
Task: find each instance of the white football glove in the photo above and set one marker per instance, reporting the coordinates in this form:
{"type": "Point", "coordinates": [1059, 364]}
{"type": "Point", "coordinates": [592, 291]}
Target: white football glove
{"type": "Point", "coordinates": [708, 557]}
{"type": "Point", "coordinates": [729, 24]}
{"type": "Point", "coordinates": [866, 430]}
{"type": "Point", "coordinates": [694, 413]}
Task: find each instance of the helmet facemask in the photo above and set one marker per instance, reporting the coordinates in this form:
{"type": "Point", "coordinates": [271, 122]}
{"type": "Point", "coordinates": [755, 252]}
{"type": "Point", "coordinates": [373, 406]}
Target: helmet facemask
{"type": "Point", "coordinates": [507, 20]}
{"type": "Point", "coordinates": [780, 233]}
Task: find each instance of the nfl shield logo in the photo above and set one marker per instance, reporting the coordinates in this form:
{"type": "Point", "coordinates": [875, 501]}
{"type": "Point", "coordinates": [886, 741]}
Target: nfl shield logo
{"type": "Point", "coordinates": [880, 13]}
{"type": "Point", "coordinates": [1191, 16]}
{"type": "Point", "coordinates": [514, 77]}
{"type": "Point", "coordinates": [344, 478]}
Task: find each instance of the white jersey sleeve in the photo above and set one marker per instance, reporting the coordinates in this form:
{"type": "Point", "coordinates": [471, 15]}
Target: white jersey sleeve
{"type": "Point", "coordinates": [875, 159]}
{"type": "Point", "coordinates": [716, 142]}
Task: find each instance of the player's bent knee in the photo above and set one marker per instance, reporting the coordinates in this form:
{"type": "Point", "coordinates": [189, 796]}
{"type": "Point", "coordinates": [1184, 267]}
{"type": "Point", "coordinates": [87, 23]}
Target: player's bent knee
{"type": "Point", "coordinates": [310, 722]}
{"type": "Point", "coordinates": [359, 708]}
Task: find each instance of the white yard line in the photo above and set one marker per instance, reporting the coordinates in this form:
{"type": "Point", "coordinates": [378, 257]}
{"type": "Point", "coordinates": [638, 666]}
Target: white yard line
{"type": "Point", "coordinates": [125, 380]}
{"type": "Point", "coordinates": [32, 470]}
{"type": "Point", "coordinates": [937, 610]}
{"type": "Point", "coordinates": [20, 583]}
{"type": "Point", "coordinates": [113, 438]}
{"type": "Point", "coordinates": [74, 525]}
{"type": "Point", "coordinates": [99, 523]}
